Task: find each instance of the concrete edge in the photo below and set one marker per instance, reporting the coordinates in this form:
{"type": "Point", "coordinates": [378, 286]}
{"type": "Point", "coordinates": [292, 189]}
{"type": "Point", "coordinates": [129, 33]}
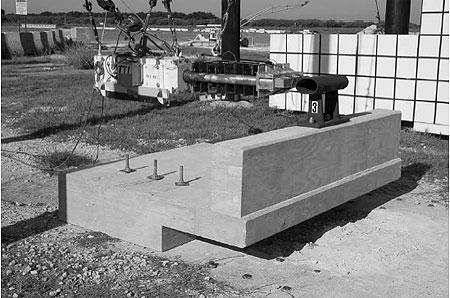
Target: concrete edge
{"type": "Point", "coordinates": [276, 218]}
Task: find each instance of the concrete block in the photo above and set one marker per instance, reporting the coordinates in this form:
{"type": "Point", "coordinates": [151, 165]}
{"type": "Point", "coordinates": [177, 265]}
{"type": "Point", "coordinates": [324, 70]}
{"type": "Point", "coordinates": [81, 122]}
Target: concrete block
{"type": "Point", "coordinates": [45, 42]}
{"type": "Point", "coordinates": [39, 46]}
{"type": "Point", "coordinates": [27, 40]}
{"type": "Point", "coordinates": [242, 190]}
{"type": "Point", "coordinates": [14, 43]}
{"type": "Point", "coordinates": [6, 54]}
{"type": "Point", "coordinates": [50, 40]}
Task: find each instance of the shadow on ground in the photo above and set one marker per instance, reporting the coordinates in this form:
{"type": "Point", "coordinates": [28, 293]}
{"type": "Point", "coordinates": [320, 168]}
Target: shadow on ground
{"type": "Point", "coordinates": [47, 131]}
{"type": "Point", "coordinates": [30, 227]}
{"type": "Point", "coordinates": [295, 238]}
{"type": "Point", "coordinates": [282, 244]}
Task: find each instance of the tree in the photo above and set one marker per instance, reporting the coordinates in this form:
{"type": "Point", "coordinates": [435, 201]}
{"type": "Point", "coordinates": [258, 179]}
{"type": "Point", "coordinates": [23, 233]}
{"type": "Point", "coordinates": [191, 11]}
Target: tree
{"type": "Point", "coordinates": [3, 12]}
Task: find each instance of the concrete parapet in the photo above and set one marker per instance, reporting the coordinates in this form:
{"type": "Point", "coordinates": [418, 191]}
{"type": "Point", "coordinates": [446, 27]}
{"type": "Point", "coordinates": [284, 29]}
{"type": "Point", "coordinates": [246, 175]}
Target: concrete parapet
{"type": "Point", "coordinates": [59, 39]}
{"type": "Point", "coordinates": [50, 40]}
{"type": "Point", "coordinates": [6, 54]}
{"type": "Point", "coordinates": [241, 191]}
{"type": "Point", "coordinates": [38, 45]}
{"type": "Point", "coordinates": [31, 43]}
{"type": "Point", "coordinates": [27, 41]}
{"type": "Point", "coordinates": [14, 43]}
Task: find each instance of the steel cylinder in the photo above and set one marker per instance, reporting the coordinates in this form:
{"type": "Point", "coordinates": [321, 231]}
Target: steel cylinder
{"type": "Point", "coordinates": [232, 79]}
{"type": "Point", "coordinates": [397, 16]}
{"type": "Point", "coordinates": [321, 84]}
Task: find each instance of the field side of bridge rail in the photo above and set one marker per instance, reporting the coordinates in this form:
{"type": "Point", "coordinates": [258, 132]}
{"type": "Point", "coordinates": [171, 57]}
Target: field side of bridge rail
{"type": "Point", "coordinates": [240, 191]}
{"type": "Point", "coordinates": [16, 44]}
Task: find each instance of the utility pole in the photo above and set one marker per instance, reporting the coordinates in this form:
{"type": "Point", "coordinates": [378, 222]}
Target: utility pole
{"type": "Point", "coordinates": [231, 29]}
{"type": "Point", "coordinates": [397, 16]}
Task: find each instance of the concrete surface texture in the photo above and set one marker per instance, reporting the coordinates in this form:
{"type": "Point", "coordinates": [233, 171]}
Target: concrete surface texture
{"type": "Point", "coordinates": [241, 191]}
{"type": "Point", "coordinates": [31, 43]}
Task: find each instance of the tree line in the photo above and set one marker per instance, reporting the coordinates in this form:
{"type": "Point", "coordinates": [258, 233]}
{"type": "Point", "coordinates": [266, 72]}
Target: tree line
{"type": "Point", "coordinates": [159, 18]}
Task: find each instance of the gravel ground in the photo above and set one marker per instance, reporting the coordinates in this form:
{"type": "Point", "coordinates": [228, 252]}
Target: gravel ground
{"type": "Point", "coordinates": [44, 257]}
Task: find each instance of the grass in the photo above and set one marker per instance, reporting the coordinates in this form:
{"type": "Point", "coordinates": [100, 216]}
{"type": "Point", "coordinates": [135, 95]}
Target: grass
{"type": "Point", "coordinates": [80, 56]}
{"type": "Point", "coordinates": [429, 151]}
{"type": "Point", "coordinates": [56, 104]}
{"type": "Point", "coordinates": [60, 160]}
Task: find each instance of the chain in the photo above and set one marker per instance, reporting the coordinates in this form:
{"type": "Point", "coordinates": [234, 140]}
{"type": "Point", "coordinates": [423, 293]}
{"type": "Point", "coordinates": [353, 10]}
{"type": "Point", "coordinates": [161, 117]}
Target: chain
{"type": "Point", "coordinates": [88, 5]}
{"type": "Point", "coordinates": [175, 46]}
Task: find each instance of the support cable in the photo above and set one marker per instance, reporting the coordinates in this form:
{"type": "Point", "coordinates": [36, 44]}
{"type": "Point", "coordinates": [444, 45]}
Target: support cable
{"type": "Point", "coordinates": [9, 153]}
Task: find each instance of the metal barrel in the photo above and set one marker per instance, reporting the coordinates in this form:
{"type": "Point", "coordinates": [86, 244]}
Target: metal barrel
{"type": "Point", "coordinates": [321, 84]}
{"type": "Point", "coordinates": [232, 79]}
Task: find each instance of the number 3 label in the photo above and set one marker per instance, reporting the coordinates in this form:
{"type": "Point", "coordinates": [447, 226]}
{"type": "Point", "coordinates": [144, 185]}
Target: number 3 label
{"type": "Point", "coordinates": [314, 107]}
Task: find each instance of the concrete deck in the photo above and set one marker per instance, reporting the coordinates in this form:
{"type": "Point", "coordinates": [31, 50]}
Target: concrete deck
{"type": "Point", "coordinates": [241, 191]}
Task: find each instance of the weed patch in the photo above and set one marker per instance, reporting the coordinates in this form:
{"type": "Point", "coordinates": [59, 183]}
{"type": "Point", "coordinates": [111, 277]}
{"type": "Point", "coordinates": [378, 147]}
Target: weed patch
{"type": "Point", "coordinates": [53, 161]}
{"type": "Point", "coordinates": [80, 56]}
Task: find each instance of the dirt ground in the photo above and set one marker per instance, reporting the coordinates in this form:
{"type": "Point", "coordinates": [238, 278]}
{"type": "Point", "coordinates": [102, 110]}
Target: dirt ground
{"type": "Point", "coordinates": [393, 242]}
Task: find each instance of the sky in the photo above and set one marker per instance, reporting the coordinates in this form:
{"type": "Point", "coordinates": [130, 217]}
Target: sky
{"type": "Point", "coordinates": [346, 10]}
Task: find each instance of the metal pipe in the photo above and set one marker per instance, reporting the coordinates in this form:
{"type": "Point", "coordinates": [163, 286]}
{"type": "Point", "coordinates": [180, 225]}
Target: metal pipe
{"type": "Point", "coordinates": [321, 84]}
{"type": "Point", "coordinates": [231, 29]}
{"type": "Point", "coordinates": [397, 16]}
{"type": "Point", "coordinates": [232, 79]}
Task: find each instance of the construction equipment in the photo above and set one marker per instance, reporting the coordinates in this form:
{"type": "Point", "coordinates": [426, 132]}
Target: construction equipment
{"type": "Point", "coordinates": [166, 76]}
